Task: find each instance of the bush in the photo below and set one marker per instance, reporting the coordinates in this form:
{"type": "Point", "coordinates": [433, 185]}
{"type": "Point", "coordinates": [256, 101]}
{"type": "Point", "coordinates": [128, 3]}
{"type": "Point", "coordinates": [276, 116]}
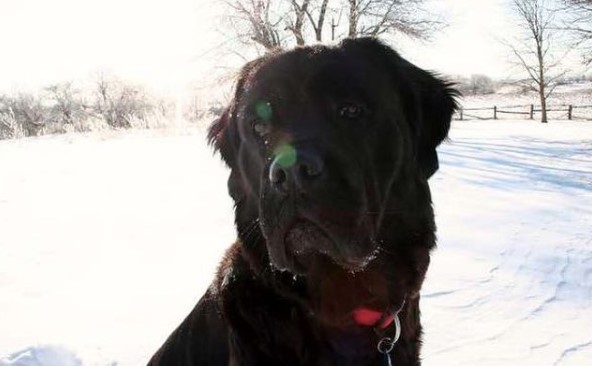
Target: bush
{"type": "Point", "coordinates": [118, 103]}
{"type": "Point", "coordinates": [9, 127]}
{"type": "Point", "coordinates": [61, 108]}
{"type": "Point", "coordinates": [22, 115]}
{"type": "Point", "coordinates": [66, 104]}
{"type": "Point", "coordinates": [476, 85]}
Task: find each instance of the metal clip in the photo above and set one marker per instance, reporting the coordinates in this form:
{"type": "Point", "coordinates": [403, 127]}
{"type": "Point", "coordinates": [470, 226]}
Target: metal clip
{"type": "Point", "coordinates": [386, 344]}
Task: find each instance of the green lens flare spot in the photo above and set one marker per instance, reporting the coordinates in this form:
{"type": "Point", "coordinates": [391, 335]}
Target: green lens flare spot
{"type": "Point", "coordinates": [263, 110]}
{"type": "Point", "coordinates": [285, 155]}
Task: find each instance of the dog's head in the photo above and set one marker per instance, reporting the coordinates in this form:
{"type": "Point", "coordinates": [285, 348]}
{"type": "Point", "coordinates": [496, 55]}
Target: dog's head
{"type": "Point", "coordinates": [330, 149]}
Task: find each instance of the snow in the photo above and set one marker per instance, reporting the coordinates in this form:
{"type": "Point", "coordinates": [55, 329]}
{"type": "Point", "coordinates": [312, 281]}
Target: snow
{"type": "Point", "coordinates": [101, 248]}
{"type": "Point", "coordinates": [42, 356]}
{"type": "Point", "coordinates": [511, 282]}
{"type": "Point", "coordinates": [107, 242]}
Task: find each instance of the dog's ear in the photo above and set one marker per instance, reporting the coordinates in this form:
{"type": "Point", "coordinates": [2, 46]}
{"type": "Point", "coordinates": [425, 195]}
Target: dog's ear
{"type": "Point", "coordinates": [223, 132]}
{"type": "Point", "coordinates": [437, 105]}
{"type": "Point", "coordinates": [429, 101]}
{"type": "Point", "coordinates": [223, 137]}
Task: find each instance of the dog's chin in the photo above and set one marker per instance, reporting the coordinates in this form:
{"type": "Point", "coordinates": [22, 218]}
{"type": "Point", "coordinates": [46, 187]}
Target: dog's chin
{"type": "Point", "coordinates": [304, 245]}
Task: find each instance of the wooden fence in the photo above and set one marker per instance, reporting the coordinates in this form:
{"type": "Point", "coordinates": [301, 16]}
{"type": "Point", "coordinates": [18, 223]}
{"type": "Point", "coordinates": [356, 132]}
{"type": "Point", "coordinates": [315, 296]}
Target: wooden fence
{"type": "Point", "coordinates": [570, 112]}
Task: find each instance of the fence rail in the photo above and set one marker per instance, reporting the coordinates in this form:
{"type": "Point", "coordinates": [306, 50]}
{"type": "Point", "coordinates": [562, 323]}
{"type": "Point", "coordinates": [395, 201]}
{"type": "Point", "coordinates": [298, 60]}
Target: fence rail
{"type": "Point", "coordinates": [530, 110]}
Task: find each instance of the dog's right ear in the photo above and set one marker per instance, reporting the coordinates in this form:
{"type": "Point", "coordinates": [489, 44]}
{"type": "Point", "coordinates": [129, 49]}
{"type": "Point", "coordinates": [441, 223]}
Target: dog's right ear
{"type": "Point", "coordinates": [223, 132]}
{"type": "Point", "coordinates": [222, 135]}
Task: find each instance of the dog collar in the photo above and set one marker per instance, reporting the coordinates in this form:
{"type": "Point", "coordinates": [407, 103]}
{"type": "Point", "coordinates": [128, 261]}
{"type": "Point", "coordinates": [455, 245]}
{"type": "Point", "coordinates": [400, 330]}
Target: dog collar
{"type": "Point", "coordinates": [371, 318]}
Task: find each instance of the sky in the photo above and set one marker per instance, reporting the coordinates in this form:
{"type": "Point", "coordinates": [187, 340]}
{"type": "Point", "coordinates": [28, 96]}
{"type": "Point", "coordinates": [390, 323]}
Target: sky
{"type": "Point", "coordinates": [156, 41]}
{"type": "Point", "coordinates": [166, 43]}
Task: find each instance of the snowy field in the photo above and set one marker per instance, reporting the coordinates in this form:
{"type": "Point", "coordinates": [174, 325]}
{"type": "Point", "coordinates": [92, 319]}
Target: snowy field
{"type": "Point", "coordinates": [107, 242]}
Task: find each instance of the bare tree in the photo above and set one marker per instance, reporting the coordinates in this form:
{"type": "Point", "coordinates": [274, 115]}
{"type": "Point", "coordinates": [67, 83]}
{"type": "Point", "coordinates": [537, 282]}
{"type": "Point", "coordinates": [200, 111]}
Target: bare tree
{"type": "Point", "coordinates": [270, 23]}
{"type": "Point", "coordinates": [578, 24]}
{"type": "Point", "coordinates": [536, 52]}
{"type": "Point", "coordinates": [296, 25]}
{"type": "Point", "coordinates": [376, 17]}
{"type": "Point", "coordinates": [318, 20]}
{"type": "Point", "coordinates": [255, 22]}
{"type": "Point", "coordinates": [312, 10]}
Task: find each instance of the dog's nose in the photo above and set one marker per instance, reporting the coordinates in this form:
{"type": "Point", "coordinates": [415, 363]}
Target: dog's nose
{"type": "Point", "coordinates": [297, 169]}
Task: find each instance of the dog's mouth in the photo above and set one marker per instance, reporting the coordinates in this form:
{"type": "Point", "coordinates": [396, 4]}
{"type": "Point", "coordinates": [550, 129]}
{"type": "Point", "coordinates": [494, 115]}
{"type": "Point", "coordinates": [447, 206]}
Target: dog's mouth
{"type": "Point", "coordinates": [304, 242]}
{"type": "Point", "coordinates": [304, 236]}
{"type": "Point", "coordinates": [307, 244]}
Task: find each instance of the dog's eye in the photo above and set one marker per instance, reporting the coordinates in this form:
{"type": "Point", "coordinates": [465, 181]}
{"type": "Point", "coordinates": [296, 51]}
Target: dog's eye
{"type": "Point", "coordinates": [351, 110]}
{"type": "Point", "coordinates": [264, 113]}
{"type": "Point", "coordinates": [261, 128]}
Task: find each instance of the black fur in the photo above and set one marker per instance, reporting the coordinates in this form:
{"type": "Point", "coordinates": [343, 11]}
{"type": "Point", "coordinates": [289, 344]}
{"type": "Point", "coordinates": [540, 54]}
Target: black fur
{"type": "Point", "coordinates": [330, 149]}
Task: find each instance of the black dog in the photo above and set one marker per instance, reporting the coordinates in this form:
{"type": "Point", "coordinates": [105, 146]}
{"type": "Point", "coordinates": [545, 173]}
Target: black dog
{"type": "Point", "coordinates": [330, 151]}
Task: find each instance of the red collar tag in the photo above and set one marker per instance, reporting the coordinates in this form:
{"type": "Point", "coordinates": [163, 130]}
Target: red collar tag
{"type": "Point", "coordinates": [370, 318]}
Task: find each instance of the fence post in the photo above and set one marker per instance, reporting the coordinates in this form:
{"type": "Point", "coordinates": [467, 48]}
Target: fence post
{"type": "Point", "coordinates": [532, 111]}
{"type": "Point", "coordinates": [569, 109]}
{"type": "Point", "coordinates": [494, 112]}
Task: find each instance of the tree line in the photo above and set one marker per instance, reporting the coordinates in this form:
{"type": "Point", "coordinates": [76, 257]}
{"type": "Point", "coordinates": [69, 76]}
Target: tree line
{"type": "Point", "coordinates": [549, 30]}
{"type": "Point", "coordinates": [62, 107]}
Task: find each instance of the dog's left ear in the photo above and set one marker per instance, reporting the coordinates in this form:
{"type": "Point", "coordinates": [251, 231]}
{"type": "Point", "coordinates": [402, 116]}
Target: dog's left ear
{"type": "Point", "coordinates": [429, 102]}
{"type": "Point", "coordinates": [437, 104]}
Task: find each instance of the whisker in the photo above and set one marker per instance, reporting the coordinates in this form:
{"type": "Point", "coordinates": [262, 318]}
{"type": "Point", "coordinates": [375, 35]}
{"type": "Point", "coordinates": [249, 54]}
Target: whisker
{"type": "Point", "coordinates": [382, 212]}
{"type": "Point", "coordinates": [383, 250]}
{"type": "Point", "coordinates": [248, 231]}
{"type": "Point", "coordinates": [249, 227]}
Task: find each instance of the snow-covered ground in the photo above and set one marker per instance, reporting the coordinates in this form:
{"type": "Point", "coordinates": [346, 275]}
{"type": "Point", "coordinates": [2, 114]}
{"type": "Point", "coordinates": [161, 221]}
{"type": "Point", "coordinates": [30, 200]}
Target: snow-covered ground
{"type": "Point", "coordinates": [106, 243]}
